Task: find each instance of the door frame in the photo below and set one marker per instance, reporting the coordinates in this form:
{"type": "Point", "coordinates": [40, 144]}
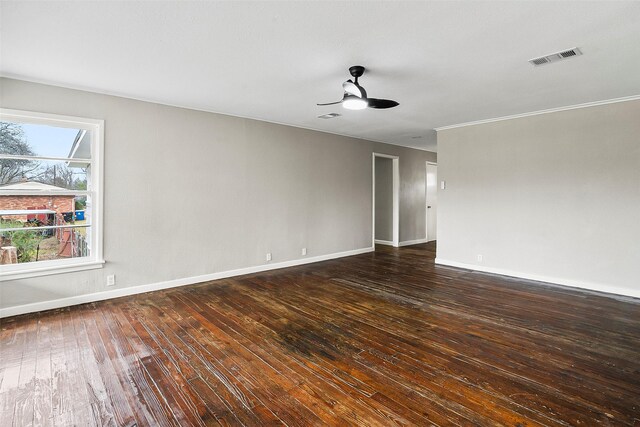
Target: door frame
{"type": "Point", "coordinates": [395, 162]}
{"type": "Point", "coordinates": [426, 210]}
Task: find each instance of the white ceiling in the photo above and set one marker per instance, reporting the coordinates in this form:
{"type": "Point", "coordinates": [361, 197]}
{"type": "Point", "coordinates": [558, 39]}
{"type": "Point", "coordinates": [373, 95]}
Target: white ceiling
{"type": "Point", "coordinates": [445, 62]}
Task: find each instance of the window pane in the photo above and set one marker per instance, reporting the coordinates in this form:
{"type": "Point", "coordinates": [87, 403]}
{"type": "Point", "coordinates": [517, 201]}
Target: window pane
{"type": "Point", "coordinates": [45, 141]}
{"type": "Point", "coordinates": [32, 245]}
{"type": "Point", "coordinates": [40, 175]}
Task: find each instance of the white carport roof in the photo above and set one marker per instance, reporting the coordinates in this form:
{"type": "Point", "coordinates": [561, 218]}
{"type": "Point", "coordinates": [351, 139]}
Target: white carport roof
{"type": "Point", "coordinates": [26, 212]}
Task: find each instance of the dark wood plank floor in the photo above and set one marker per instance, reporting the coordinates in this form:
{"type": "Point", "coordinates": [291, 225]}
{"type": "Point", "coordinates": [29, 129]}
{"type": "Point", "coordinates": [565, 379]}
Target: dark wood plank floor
{"type": "Point", "coordinates": [386, 338]}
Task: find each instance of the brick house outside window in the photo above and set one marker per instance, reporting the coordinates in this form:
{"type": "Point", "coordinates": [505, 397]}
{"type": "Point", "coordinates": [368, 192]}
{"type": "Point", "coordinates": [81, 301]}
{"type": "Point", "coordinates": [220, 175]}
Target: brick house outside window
{"type": "Point", "coordinates": [61, 204]}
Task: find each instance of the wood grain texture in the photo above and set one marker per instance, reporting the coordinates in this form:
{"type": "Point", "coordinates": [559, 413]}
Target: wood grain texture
{"type": "Point", "coordinates": [380, 339]}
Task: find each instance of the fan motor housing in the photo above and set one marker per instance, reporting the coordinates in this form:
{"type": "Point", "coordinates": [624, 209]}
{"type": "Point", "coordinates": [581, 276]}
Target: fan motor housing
{"type": "Point", "coordinates": [356, 71]}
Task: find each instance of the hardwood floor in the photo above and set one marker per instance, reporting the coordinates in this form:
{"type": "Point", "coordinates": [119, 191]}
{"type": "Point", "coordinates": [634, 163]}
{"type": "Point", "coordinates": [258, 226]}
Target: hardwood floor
{"type": "Point", "coordinates": [377, 339]}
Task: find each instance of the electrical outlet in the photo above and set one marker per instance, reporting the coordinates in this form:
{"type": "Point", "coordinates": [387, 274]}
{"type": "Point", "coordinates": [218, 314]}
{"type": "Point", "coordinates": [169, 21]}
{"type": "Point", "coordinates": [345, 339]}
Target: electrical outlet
{"type": "Point", "coordinates": [304, 251]}
{"type": "Point", "coordinates": [111, 280]}
{"type": "Point", "coordinates": [479, 258]}
{"type": "Point", "coordinates": [443, 185]}
{"type": "Point", "coordinates": [268, 256]}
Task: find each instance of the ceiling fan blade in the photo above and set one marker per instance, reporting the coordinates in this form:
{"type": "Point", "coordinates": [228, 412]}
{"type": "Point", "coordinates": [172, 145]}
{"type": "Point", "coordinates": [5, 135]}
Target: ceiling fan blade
{"type": "Point", "coordinates": [382, 103]}
{"type": "Point", "coordinates": [354, 89]}
{"type": "Point", "coordinates": [331, 103]}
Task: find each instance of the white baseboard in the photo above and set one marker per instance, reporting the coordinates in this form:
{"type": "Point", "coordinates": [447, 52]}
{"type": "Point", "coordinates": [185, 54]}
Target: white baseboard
{"type": "Point", "coordinates": [412, 242]}
{"type": "Point", "coordinates": [383, 242]}
{"type": "Point", "coordinates": [598, 287]}
{"type": "Point", "coordinates": [133, 290]}
{"type": "Point", "coordinates": [405, 243]}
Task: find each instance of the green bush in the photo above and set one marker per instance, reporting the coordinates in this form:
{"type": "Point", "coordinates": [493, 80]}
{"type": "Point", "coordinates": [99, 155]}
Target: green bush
{"type": "Point", "coordinates": [81, 204]}
{"type": "Point", "coordinates": [26, 242]}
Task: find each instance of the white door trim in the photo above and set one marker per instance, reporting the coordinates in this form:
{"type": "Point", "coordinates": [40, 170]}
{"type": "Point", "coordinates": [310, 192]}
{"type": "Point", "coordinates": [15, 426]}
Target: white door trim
{"type": "Point", "coordinates": [426, 211]}
{"type": "Point", "coordinates": [396, 197]}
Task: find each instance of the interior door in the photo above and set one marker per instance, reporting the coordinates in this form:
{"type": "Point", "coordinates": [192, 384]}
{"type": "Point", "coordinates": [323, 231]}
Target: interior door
{"type": "Point", "coordinates": [432, 201]}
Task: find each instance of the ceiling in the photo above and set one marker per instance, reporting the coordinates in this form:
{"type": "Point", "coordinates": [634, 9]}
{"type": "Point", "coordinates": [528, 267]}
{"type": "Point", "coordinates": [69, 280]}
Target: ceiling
{"type": "Point", "coordinates": [445, 62]}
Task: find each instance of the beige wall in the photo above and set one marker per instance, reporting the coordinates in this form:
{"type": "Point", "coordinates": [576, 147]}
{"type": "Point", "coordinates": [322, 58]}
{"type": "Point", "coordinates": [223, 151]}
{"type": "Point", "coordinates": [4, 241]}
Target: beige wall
{"type": "Point", "coordinates": [384, 198]}
{"type": "Point", "coordinates": [554, 196]}
{"type": "Point", "coordinates": [245, 187]}
{"type": "Point", "coordinates": [413, 178]}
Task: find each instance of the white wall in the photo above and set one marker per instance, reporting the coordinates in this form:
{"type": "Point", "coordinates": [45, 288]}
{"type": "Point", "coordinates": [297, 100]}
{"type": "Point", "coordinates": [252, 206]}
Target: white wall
{"type": "Point", "coordinates": [191, 193]}
{"type": "Point", "coordinates": [553, 196]}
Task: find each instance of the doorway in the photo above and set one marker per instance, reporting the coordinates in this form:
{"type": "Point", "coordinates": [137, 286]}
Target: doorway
{"type": "Point", "coordinates": [386, 200]}
{"type": "Point", "coordinates": [432, 201]}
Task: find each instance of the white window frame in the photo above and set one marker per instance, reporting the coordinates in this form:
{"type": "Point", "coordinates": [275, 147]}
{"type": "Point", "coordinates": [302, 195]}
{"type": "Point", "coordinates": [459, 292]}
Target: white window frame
{"type": "Point", "coordinates": [95, 191]}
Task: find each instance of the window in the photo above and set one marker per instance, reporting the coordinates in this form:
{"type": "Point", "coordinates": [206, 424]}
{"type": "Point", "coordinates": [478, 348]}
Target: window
{"type": "Point", "coordinates": [50, 194]}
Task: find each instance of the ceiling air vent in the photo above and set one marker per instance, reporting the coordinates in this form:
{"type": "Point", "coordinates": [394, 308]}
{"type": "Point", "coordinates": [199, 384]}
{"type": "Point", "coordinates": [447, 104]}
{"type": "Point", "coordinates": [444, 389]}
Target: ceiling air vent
{"type": "Point", "coordinates": [558, 56]}
{"type": "Point", "coordinates": [329, 116]}
{"type": "Point", "coordinates": [568, 53]}
{"type": "Point", "coordinates": [539, 61]}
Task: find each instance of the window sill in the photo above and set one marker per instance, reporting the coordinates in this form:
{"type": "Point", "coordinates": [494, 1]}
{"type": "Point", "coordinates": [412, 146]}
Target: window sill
{"type": "Point", "coordinates": [46, 270]}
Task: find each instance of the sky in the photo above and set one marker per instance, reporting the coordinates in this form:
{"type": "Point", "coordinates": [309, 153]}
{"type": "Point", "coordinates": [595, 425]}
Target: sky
{"type": "Point", "coordinates": [49, 141]}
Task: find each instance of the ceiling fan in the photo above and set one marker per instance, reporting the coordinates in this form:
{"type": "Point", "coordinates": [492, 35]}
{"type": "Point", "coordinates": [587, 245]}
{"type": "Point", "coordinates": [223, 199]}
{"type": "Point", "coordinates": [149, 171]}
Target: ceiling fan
{"type": "Point", "coordinates": [355, 97]}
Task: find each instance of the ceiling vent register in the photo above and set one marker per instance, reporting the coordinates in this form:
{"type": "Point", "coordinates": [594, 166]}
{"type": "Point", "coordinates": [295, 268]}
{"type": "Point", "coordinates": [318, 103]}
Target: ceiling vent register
{"type": "Point", "coordinates": [555, 57]}
{"type": "Point", "coordinates": [329, 116]}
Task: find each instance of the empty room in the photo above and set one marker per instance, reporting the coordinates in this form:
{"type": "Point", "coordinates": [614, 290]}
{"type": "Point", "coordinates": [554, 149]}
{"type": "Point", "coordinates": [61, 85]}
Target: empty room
{"type": "Point", "coordinates": [310, 213]}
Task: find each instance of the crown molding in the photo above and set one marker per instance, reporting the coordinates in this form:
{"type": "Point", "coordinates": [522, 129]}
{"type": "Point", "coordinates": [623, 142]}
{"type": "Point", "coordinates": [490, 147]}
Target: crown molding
{"type": "Point", "coordinates": [535, 113]}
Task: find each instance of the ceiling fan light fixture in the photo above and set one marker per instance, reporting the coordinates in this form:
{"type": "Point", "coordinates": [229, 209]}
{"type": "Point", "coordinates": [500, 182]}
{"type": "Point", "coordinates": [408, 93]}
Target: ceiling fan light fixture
{"type": "Point", "coordinates": [351, 102]}
{"type": "Point", "coordinates": [355, 97]}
